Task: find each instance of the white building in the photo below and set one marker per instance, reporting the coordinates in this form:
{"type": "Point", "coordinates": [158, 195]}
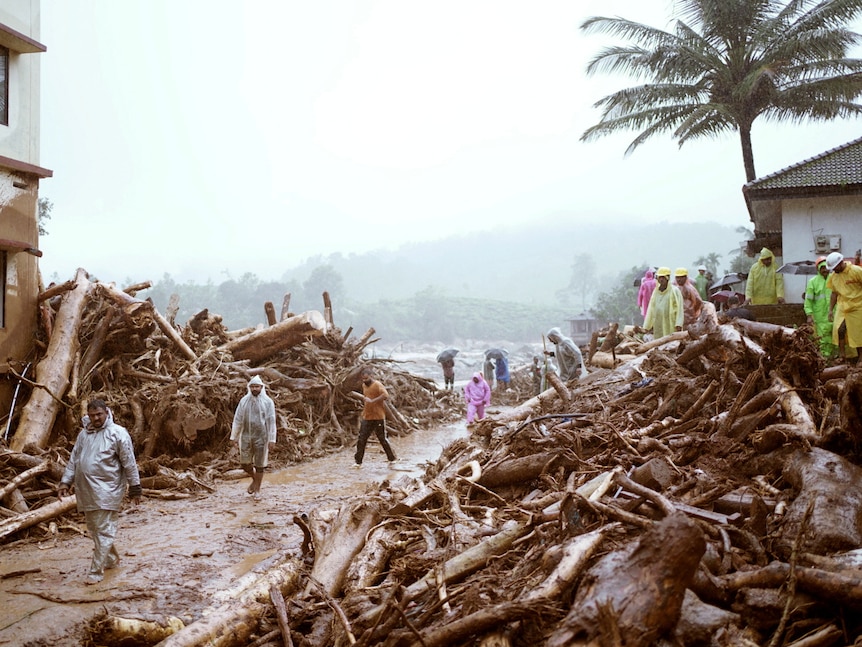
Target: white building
{"type": "Point", "coordinates": [808, 210]}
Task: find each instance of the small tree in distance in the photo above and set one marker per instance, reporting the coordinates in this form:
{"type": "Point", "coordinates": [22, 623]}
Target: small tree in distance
{"type": "Point", "coordinates": [620, 304]}
{"type": "Point", "coordinates": [710, 261]}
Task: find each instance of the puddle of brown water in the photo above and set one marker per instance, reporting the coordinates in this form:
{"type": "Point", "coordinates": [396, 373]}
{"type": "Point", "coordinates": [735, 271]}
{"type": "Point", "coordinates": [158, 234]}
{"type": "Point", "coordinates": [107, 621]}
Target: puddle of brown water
{"type": "Point", "coordinates": [191, 549]}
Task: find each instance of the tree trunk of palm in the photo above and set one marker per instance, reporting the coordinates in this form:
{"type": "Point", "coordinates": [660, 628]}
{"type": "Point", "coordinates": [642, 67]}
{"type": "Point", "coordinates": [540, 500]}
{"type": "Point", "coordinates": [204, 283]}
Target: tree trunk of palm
{"type": "Point", "coordinates": [747, 153]}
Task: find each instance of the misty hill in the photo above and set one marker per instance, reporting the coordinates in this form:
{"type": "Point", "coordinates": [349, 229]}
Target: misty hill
{"type": "Point", "coordinates": [506, 284]}
{"type": "Point", "coordinates": [527, 264]}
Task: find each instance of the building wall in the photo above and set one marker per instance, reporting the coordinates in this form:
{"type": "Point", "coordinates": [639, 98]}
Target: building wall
{"type": "Point", "coordinates": [20, 139]}
{"type": "Point", "coordinates": [805, 218]}
{"type": "Point", "coordinates": [19, 195]}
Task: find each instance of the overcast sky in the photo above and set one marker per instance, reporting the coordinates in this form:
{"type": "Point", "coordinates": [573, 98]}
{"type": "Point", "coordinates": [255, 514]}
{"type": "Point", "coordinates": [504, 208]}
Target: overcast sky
{"type": "Point", "coordinates": [207, 138]}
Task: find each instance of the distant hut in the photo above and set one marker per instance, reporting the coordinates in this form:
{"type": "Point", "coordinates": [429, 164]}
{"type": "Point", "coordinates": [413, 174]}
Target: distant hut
{"type": "Point", "coordinates": [582, 326]}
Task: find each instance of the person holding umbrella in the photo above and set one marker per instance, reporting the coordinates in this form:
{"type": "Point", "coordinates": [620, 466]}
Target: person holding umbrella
{"type": "Point", "coordinates": [446, 358]}
{"type": "Point", "coordinates": [502, 373]}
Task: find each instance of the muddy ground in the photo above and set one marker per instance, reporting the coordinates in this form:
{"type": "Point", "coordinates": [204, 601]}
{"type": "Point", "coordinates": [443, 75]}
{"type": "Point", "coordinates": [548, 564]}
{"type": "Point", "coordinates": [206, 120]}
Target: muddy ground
{"type": "Point", "coordinates": [176, 556]}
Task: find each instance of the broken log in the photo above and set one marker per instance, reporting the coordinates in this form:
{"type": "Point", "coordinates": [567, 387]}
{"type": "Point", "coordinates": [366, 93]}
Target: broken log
{"type": "Point", "coordinates": [266, 342]}
{"type": "Point", "coordinates": [23, 477]}
{"type": "Point", "coordinates": [232, 623]}
{"type": "Point", "coordinates": [522, 469]}
{"type": "Point", "coordinates": [679, 335]}
{"type": "Point", "coordinates": [118, 630]}
{"type": "Point", "coordinates": [642, 586]}
{"type": "Point", "coordinates": [31, 518]}
{"type": "Point", "coordinates": [457, 567]}
{"type": "Point", "coordinates": [52, 372]}
{"type": "Point", "coordinates": [334, 554]}
{"type": "Point", "coordinates": [823, 477]}
{"type": "Point", "coordinates": [57, 290]}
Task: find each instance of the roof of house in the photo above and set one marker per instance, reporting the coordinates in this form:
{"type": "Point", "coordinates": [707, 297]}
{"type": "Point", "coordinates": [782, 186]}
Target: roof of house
{"type": "Point", "coordinates": [838, 167]}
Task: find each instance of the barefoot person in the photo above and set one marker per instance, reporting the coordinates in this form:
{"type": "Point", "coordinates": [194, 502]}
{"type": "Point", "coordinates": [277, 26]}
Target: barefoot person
{"type": "Point", "coordinates": [101, 464]}
{"type": "Point", "coordinates": [253, 431]}
{"type": "Point", "coordinates": [373, 420]}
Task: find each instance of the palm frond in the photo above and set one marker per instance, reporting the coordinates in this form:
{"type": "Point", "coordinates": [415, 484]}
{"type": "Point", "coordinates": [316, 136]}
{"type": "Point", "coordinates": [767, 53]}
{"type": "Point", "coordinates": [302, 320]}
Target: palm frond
{"type": "Point", "coordinates": [727, 62]}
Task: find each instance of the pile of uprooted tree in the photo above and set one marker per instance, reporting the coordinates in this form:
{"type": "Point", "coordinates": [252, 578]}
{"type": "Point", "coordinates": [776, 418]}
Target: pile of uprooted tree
{"type": "Point", "coordinates": [700, 491]}
{"type": "Point", "coordinates": [176, 388]}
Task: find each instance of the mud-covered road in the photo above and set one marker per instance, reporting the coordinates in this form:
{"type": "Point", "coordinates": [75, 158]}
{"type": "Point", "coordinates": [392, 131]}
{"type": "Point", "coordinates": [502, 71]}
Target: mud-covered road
{"type": "Point", "coordinates": [176, 556]}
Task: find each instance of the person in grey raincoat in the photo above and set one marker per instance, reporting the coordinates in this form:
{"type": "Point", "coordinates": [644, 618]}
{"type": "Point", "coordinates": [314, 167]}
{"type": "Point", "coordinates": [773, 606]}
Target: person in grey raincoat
{"type": "Point", "coordinates": [568, 356]}
{"type": "Point", "coordinates": [102, 463]}
{"type": "Point", "coordinates": [253, 430]}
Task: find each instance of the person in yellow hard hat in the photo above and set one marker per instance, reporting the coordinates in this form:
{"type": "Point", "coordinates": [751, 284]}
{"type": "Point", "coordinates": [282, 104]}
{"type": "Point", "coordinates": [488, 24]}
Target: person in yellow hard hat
{"type": "Point", "coordinates": [692, 304]}
{"type": "Point", "coordinates": [665, 311]}
{"type": "Point", "coordinates": [845, 304]}
{"type": "Point", "coordinates": [765, 286]}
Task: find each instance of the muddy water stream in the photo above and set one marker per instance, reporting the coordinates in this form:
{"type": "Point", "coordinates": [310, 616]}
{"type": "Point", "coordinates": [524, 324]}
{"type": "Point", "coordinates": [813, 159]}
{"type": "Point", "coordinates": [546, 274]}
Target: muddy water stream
{"type": "Point", "coordinates": [177, 555]}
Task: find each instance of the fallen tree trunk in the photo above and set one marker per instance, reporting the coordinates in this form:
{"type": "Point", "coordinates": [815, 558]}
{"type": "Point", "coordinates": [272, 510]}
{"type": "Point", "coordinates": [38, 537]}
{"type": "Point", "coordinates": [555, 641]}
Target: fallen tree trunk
{"type": "Point", "coordinates": [31, 518]}
{"type": "Point", "coordinates": [266, 342]}
{"type": "Point", "coordinates": [518, 470]}
{"type": "Point", "coordinates": [641, 586]}
{"type": "Point", "coordinates": [823, 477]}
{"type": "Point", "coordinates": [233, 623]}
{"type": "Point", "coordinates": [456, 568]}
{"type": "Point", "coordinates": [23, 477]}
{"type": "Point", "coordinates": [679, 335]}
{"type": "Point", "coordinates": [335, 553]}
{"type": "Point", "coordinates": [844, 589]}
{"type": "Point", "coordinates": [117, 630]}
{"type": "Point", "coordinates": [52, 372]}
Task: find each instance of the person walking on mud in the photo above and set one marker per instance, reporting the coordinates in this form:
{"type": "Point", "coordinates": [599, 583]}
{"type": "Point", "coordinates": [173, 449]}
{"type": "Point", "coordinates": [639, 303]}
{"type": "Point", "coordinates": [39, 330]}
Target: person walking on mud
{"type": "Point", "coordinates": [253, 431]}
{"type": "Point", "coordinates": [102, 462]}
{"type": "Point", "coordinates": [477, 393]}
{"type": "Point", "coordinates": [373, 419]}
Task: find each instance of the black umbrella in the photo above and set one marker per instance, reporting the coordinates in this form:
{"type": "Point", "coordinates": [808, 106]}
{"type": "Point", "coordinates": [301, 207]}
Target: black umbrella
{"type": "Point", "coordinates": [497, 353]}
{"type": "Point", "coordinates": [448, 353]}
{"type": "Point", "coordinates": [728, 279]}
{"type": "Point", "coordinates": [799, 267]}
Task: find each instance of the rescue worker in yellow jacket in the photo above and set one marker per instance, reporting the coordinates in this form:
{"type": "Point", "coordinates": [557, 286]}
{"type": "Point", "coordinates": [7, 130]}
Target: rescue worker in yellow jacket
{"type": "Point", "coordinates": [765, 286]}
{"type": "Point", "coordinates": [665, 311]}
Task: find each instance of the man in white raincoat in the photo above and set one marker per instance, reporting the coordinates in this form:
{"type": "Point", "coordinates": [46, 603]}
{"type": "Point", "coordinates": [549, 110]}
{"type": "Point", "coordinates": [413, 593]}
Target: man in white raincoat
{"type": "Point", "coordinates": [568, 356]}
{"type": "Point", "coordinates": [101, 464]}
{"type": "Point", "coordinates": [253, 431]}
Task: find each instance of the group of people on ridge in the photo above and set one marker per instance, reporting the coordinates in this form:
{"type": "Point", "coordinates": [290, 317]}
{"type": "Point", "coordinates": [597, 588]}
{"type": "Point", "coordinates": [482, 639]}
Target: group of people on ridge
{"type": "Point", "coordinates": [566, 360]}
{"type": "Point", "coordinates": [832, 301]}
{"type": "Point", "coordinates": [833, 305]}
{"type": "Point", "coordinates": [671, 306]}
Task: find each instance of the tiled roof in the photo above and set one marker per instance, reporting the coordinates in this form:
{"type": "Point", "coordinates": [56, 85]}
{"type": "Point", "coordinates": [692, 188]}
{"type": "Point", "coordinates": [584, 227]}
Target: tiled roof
{"type": "Point", "coordinates": [840, 166]}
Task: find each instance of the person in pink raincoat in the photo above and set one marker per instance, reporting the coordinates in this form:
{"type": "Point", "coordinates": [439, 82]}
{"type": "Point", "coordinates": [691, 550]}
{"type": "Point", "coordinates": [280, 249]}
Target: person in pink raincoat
{"type": "Point", "coordinates": [478, 396]}
{"type": "Point", "coordinates": [645, 292]}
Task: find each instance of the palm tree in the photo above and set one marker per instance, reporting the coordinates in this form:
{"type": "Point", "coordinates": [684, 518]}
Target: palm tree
{"type": "Point", "coordinates": [727, 63]}
{"type": "Point", "coordinates": [710, 262]}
